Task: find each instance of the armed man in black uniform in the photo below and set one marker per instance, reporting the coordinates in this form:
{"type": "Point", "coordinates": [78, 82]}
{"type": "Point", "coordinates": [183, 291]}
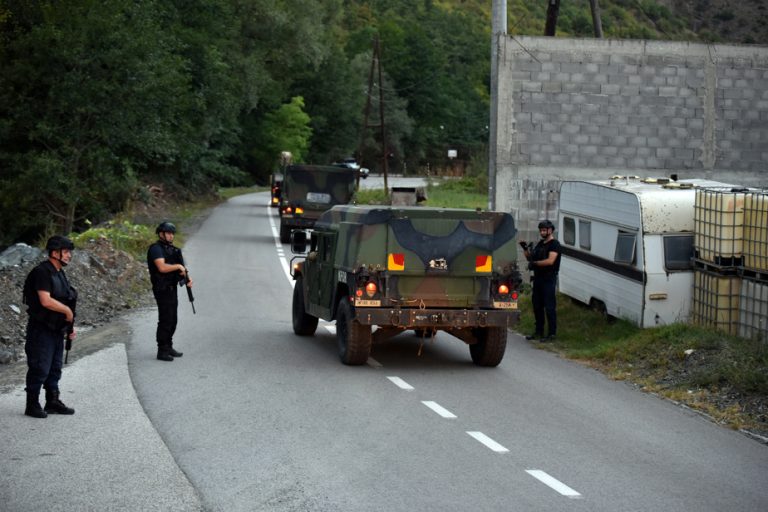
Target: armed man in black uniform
{"type": "Point", "coordinates": [51, 305]}
{"type": "Point", "coordinates": [166, 271]}
{"type": "Point", "coordinates": [544, 260]}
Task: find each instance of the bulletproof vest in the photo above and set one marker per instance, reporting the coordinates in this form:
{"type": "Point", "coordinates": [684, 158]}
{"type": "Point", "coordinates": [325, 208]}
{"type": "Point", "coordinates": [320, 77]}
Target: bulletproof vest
{"type": "Point", "coordinates": [172, 256]}
{"type": "Point", "coordinates": [541, 252]}
{"type": "Point", "coordinates": [61, 290]}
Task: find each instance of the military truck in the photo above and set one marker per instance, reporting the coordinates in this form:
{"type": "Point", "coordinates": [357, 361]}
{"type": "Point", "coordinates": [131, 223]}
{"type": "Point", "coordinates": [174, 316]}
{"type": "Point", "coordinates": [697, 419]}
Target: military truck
{"type": "Point", "coordinates": [411, 268]}
{"type": "Point", "coordinates": [276, 189]}
{"type": "Point", "coordinates": [308, 191]}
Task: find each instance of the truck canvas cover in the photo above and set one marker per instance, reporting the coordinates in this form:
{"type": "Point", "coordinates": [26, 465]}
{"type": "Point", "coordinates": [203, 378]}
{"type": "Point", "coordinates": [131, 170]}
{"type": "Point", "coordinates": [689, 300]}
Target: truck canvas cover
{"type": "Point", "coordinates": [316, 188]}
{"type": "Point", "coordinates": [438, 257]}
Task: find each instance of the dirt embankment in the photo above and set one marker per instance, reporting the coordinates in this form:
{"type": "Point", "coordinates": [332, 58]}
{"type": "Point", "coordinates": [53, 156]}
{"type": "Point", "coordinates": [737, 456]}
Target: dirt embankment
{"type": "Point", "coordinates": [108, 281]}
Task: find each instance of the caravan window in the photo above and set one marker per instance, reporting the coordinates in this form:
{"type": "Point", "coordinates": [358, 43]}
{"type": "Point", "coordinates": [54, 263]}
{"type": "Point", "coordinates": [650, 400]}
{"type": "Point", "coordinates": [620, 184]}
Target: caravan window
{"type": "Point", "coordinates": [678, 252]}
{"type": "Point", "coordinates": [569, 231]}
{"type": "Point", "coordinates": [585, 234]}
{"type": "Point", "coordinates": [625, 248]}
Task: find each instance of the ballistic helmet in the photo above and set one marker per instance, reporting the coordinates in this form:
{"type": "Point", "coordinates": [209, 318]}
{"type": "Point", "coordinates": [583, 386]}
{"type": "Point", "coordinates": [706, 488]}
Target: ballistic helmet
{"type": "Point", "coordinates": [57, 243]}
{"type": "Point", "coordinates": [165, 227]}
{"type": "Point", "coordinates": [546, 224]}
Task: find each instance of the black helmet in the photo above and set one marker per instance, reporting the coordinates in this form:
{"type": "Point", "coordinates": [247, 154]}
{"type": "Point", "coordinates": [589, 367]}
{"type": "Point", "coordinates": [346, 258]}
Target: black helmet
{"type": "Point", "coordinates": [165, 227]}
{"type": "Point", "coordinates": [546, 224]}
{"type": "Point", "coordinates": [58, 242]}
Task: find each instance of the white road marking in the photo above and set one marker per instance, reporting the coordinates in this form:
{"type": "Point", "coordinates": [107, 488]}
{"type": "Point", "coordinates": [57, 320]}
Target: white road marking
{"type": "Point", "coordinates": [397, 381]}
{"type": "Point", "coordinates": [280, 253]}
{"type": "Point", "coordinates": [487, 441]}
{"type": "Point", "coordinates": [555, 484]}
{"type": "Point", "coordinates": [445, 413]}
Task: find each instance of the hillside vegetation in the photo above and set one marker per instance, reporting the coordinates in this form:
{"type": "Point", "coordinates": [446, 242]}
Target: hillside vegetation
{"type": "Point", "coordinates": [111, 103]}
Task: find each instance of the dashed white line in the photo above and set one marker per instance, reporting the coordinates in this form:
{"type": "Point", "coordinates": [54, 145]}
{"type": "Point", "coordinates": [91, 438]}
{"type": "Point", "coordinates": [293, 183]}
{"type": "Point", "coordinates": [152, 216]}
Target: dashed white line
{"type": "Point", "coordinates": [542, 476]}
{"type": "Point", "coordinates": [488, 442]}
{"type": "Point", "coordinates": [439, 409]}
{"type": "Point", "coordinates": [552, 482]}
{"type": "Point", "coordinates": [397, 381]}
{"type": "Point", "coordinates": [280, 253]}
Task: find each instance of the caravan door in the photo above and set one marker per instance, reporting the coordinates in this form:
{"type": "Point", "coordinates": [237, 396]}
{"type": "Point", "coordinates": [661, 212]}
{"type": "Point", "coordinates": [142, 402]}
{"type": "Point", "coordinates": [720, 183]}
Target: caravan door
{"type": "Point", "coordinates": [669, 278]}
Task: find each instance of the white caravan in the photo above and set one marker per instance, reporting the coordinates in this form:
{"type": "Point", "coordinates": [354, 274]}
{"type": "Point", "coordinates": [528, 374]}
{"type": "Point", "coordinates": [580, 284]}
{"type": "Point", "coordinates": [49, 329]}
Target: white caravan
{"type": "Point", "coordinates": [628, 246]}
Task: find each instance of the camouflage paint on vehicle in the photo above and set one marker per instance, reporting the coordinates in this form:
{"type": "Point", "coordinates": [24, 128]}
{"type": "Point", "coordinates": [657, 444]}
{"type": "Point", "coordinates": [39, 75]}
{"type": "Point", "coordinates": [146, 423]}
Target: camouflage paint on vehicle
{"type": "Point", "coordinates": [425, 269]}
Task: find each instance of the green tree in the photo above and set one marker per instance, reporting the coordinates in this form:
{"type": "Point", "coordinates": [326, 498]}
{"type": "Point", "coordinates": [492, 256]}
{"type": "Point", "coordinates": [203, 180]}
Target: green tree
{"type": "Point", "coordinates": [90, 91]}
{"type": "Point", "coordinates": [285, 129]}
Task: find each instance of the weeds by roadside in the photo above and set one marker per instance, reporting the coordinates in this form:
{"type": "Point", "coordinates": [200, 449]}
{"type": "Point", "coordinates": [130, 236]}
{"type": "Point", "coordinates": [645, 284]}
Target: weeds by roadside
{"type": "Point", "coordinates": [724, 376]}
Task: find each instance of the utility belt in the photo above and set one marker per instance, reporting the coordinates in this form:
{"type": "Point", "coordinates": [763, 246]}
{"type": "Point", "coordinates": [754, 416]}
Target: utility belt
{"type": "Point", "coordinates": [51, 320]}
{"type": "Point", "coordinates": [166, 283]}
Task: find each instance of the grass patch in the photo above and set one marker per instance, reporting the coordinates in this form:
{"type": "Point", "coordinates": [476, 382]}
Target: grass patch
{"type": "Point", "coordinates": [124, 235]}
{"type": "Point", "coordinates": [463, 193]}
{"type": "Point", "coordinates": [372, 196]}
{"type": "Point", "coordinates": [441, 193]}
{"type": "Point", "coordinates": [724, 376]}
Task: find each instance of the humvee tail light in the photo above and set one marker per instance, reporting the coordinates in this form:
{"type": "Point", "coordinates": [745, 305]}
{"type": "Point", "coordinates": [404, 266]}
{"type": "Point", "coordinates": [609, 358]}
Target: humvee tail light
{"type": "Point", "coordinates": [288, 209]}
{"type": "Point", "coordinates": [299, 210]}
{"type": "Point", "coordinates": [503, 289]}
{"type": "Point", "coordinates": [370, 289]}
{"type": "Point", "coordinates": [514, 296]}
{"type": "Point", "coordinates": [483, 263]}
{"type": "Point", "coordinates": [359, 292]}
{"type": "Point", "coordinates": [274, 200]}
{"type": "Point", "coordinates": [396, 261]}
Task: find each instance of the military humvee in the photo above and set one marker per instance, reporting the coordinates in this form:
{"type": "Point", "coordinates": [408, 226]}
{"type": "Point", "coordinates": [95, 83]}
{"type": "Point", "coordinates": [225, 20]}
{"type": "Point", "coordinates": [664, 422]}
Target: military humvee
{"type": "Point", "coordinates": [418, 268]}
{"type": "Point", "coordinates": [308, 191]}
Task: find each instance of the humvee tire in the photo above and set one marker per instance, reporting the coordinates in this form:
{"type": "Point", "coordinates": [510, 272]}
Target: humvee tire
{"type": "Point", "coordinates": [354, 339]}
{"type": "Point", "coordinates": [303, 323]}
{"type": "Point", "coordinates": [285, 234]}
{"type": "Point", "coordinates": [489, 350]}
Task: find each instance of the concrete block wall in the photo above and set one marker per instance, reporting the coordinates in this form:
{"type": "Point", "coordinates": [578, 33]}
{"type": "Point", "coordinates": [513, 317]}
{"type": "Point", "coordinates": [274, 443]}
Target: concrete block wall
{"type": "Point", "coordinates": [591, 108]}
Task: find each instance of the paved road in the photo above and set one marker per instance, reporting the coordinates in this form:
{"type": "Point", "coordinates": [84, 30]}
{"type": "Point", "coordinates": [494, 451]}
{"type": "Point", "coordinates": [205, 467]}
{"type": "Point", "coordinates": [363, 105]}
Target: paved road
{"type": "Point", "coordinates": [375, 181]}
{"type": "Point", "coordinates": [259, 419]}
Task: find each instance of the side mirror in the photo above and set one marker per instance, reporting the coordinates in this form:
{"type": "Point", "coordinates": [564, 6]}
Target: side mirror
{"type": "Point", "coordinates": [298, 242]}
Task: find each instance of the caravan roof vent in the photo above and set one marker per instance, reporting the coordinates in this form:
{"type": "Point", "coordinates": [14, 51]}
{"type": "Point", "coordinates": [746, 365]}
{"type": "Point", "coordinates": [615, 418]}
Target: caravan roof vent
{"type": "Point", "coordinates": [678, 186]}
{"type": "Point", "coordinates": [659, 181]}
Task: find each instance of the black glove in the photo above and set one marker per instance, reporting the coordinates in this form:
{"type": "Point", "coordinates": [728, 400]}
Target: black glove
{"type": "Point", "coordinates": [531, 266]}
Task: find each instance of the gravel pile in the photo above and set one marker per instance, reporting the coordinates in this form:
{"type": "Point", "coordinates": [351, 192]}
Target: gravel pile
{"type": "Point", "coordinates": [108, 282]}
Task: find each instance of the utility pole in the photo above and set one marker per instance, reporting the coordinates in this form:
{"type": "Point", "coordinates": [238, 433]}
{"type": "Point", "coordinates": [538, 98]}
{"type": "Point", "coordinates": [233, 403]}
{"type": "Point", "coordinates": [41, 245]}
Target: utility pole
{"type": "Point", "coordinates": [553, 9]}
{"type": "Point", "coordinates": [498, 27]}
{"type": "Point", "coordinates": [375, 63]}
{"type": "Point", "coordinates": [596, 21]}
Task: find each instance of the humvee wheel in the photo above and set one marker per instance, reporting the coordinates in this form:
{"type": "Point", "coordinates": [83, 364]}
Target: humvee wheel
{"type": "Point", "coordinates": [489, 350]}
{"type": "Point", "coordinates": [354, 339]}
{"type": "Point", "coordinates": [285, 234]}
{"type": "Point", "coordinates": [303, 324]}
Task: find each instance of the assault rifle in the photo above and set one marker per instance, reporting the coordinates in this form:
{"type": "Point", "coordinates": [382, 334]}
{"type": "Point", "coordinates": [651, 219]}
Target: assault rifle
{"type": "Point", "coordinates": [183, 282]}
{"type": "Point", "coordinates": [70, 329]}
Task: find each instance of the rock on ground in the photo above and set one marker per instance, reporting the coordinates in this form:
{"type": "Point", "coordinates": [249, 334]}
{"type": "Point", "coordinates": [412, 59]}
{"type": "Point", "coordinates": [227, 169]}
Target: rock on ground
{"type": "Point", "coordinates": [108, 282]}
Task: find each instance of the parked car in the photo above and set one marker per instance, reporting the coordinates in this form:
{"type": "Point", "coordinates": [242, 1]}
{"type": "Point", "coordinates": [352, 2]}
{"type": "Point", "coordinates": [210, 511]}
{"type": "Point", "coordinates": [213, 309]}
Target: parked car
{"type": "Point", "coordinates": [351, 163]}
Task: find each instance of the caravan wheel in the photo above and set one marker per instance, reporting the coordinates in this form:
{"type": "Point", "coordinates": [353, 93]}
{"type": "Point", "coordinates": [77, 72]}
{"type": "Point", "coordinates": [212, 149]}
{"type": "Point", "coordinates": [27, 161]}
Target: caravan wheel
{"type": "Point", "coordinates": [601, 309]}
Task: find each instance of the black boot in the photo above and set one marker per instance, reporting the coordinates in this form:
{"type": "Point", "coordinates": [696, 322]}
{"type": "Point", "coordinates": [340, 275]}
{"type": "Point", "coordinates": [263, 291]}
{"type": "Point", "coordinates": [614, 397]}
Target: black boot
{"type": "Point", "coordinates": [175, 353]}
{"type": "Point", "coordinates": [164, 354]}
{"type": "Point", "coordinates": [55, 406]}
{"type": "Point", "coordinates": [33, 405]}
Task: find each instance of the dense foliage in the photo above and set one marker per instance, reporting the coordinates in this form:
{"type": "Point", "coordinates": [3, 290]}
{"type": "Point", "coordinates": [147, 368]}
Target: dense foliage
{"type": "Point", "coordinates": [100, 97]}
